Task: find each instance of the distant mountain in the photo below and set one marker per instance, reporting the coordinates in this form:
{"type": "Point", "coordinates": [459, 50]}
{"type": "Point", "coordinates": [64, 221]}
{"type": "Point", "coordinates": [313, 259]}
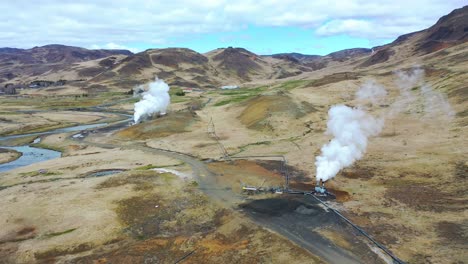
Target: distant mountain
{"type": "Point", "coordinates": [347, 54]}
{"type": "Point", "coordinates": [449, 31]}
{"type": "Point", "coordinates": [186, 68]}
{"type": "Point", "coordinates": [238, 62]}
{"type": "Point", "coordinates": [338, 55]}
{"type": "Point", "coordinates": [177, 66]}
{"type": "Point", "coordinates": [54, 62]}
{"type": "Point", "coordinates": [317, 62]}
{"type": "Point", "coordinates": [55, 54]}
{"type": "Point", "coordinates": [295, 57]}
{"type": "Point", "coordinates": [109, 69]}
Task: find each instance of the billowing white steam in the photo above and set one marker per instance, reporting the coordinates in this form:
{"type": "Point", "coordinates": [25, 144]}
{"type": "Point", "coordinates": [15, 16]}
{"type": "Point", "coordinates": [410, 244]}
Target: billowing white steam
{"type": "Point", "coordinates": [155, 100]}
{"type": "Point", "coordinates": [350, 127]}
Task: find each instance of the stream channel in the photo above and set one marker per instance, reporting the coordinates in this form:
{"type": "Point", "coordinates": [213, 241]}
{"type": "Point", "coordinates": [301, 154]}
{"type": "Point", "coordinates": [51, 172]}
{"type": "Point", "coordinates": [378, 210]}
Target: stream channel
{"type": "Point", "coordinates": [32, 155]}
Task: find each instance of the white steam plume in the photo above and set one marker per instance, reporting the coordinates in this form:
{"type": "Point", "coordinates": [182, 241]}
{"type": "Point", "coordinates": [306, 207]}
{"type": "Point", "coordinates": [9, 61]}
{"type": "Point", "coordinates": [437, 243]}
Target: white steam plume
{"type": "Point", "coordinates": [371, 92]}
{"type": "Point", "coordinates": [436, 103]}
{"type": "Point", "coordinates": [414, 93]}
{"type": "Point", "coordinates": [406, 81]}
{"type": "Point", "coordinates": [350, 127]}
{"type": "Point", "coordinates": [155, 100]}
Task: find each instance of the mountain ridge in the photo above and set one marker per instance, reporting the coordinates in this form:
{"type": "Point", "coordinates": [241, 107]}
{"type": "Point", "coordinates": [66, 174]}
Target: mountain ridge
{"type": "Point", "coordinates": [222, 66]}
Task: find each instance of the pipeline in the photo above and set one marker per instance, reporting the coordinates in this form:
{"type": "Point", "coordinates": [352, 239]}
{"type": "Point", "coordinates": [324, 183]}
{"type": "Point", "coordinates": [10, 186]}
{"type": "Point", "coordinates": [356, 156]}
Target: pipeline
{"type": "Point", "coordinates": [360, 230]}
{"type": "Point", "coordinates": [185, 256]}
{"type": "Point", "coordinates": [212, 133]}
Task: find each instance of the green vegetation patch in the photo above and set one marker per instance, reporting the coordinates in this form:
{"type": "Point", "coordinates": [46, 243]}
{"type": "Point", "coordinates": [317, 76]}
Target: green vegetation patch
{"type": "Point", "coordinates": [142, 180]}
{"type": "Point", "coordinates": [290, 85]}
{"type": "Point", "coordinates": [17, 141]}
{"type": "Point", "coordinates": [37, 128]}
{"type": "Point", "coordinates": [172, 123]}
{"type": "Point", "coordinates": [233, 100]}
{"type": "Point", "coordinates": [177, 95]}
{"type": "Point", "coordinates": [147, 167]}
{"type": "Point", "coordinates": [46, 146]}
{"type": "Point", "coordinates": [8, 113]}
{"type": "Point", "coordinates": [39, 173]}
{"type": "Point", "coordinates": [258, 110]}
{"type": "Point", "coordinates": [64, 101]}
{"type": "Point", "coordinates": [239, 95]}
{"type": "Point", "coordinates": [244, 147]}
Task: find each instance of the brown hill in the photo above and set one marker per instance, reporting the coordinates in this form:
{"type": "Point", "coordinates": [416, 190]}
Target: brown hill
{"type": "Point", "coordinates": [238, 61]}
{"type": "Point", "coordinates": [54, 62]}
{"type": "Point", "coordinates": [186, 68]}
{"type": "Point", "coordinates": [347, 54]}
{"type": "Point", "coordinates": [174, 57]}
{"type": "Point", "coordinates": [55, 54]}
{"type": "Point", "coordinates": [296, 57]}
{"type": "Point", "coordinates": [449, 31]}
{"type": "Point", "coordinates": [225, 66]}
{"type": "Point", "coordinates": [177, 66]}
{"type": "Point", "coordinates": [317, 62]}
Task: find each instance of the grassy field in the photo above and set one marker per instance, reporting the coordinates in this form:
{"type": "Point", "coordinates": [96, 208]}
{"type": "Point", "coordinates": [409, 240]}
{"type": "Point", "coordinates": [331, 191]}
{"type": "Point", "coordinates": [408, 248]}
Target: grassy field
{"type": "Point", "coordinates": [239, 95]}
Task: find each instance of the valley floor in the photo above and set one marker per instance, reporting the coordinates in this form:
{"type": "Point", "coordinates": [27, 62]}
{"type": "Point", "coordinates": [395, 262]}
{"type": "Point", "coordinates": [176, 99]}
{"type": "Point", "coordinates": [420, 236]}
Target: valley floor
{"type": "Point", "coordinates": [115, 195]}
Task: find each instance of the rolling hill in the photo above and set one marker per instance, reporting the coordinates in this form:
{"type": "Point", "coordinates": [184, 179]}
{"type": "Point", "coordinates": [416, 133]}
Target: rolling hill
{"type": "Point", "coordinates": [121, 70]}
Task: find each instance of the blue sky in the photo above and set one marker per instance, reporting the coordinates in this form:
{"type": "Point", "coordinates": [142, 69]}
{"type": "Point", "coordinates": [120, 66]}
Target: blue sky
{"type": "Point", "coordinates": [262, 26]}
{"type": "Point", "coordinates": [271, 40]}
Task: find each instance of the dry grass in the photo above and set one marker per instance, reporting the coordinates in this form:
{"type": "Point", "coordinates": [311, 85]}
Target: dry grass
{"type": "Point", "coordinates": [260, 109]}
{"type": "Point", "coordinates": [173, 123]}
{"type": "Point", "coordinates": [8, 155]}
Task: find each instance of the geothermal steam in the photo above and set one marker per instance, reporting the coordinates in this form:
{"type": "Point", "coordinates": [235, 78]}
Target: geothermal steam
{"type": "Point", "coordinates": [155, 100]}
{"type": "Point", "coordinates": [371, 92]}
{"type": "Point", "coordinates": [417, 96]}
{"type": "Point", "coordinates": [350, 127]}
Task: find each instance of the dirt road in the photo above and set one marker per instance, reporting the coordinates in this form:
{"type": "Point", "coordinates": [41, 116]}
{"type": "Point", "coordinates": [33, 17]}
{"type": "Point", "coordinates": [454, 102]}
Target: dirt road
{"type": "Point", "coordinates": [294, 217]}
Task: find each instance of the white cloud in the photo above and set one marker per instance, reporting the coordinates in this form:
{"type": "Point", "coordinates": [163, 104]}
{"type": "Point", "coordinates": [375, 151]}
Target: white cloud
{"type": "Point", "coordinates": [346, 26]}
{"type": "Point", "coordinates": [112, 45]}
{"type": "Point", "coordinates": [384, 28]}
{"type": "Point", "coordinates": [121, 23]}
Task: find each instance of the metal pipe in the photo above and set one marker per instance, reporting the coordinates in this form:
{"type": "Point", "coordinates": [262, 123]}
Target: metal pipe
{"type": "Point", "coordinates": [364, 233]}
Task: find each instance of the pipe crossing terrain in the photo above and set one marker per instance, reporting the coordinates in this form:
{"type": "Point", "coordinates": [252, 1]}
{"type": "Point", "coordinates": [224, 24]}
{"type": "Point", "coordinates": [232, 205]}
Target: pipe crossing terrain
{"type": "Point", "coordinates": [360, 230]}
{"type": "Point", "coordinates": [212, 133]}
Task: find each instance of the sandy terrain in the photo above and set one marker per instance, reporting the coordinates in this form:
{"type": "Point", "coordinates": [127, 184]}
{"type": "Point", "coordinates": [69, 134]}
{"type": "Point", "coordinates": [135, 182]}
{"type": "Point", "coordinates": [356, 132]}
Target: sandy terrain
{"type": "Point", "coordinates": [19, 123]}
{"type": "Point", "coordinates": [8, 155]}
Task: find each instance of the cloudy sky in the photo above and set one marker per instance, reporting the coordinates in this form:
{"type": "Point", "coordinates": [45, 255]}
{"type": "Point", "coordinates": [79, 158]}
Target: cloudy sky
{"type": "Point", "coordinates": [264, 27]}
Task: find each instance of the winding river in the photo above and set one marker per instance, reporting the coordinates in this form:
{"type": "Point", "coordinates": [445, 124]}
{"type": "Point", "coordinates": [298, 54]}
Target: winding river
{"type": "Point", "coordinates": [32, 155]}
